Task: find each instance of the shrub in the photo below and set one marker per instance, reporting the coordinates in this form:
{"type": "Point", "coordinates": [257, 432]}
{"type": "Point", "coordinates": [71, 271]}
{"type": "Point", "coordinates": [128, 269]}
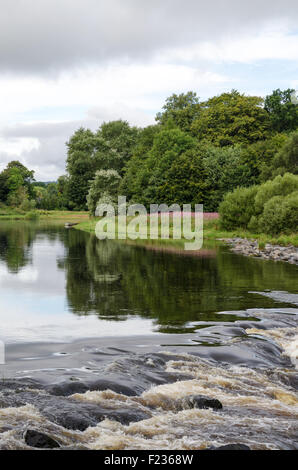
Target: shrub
{"type": "Point", "coordinates": [280, 186]}
{"type": "Point", "coordinates": [280, 215]}
{"type": "Point", "coordinates": [237, 208]}
{"type": "Point", "coordinates": [28, 205]}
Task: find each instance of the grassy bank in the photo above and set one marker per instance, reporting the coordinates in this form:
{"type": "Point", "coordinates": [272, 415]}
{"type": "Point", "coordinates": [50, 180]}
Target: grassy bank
{"type": "Point", "coordinates": [212, 232]}
{"type": "Point", "coordinates": [17, 214]}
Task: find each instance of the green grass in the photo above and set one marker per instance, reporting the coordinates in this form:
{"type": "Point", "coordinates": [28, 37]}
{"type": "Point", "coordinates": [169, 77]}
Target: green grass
{"type": "Point", "coordinates": [212, 232]}
{"type": "Point", "coordinates": [9, 213]}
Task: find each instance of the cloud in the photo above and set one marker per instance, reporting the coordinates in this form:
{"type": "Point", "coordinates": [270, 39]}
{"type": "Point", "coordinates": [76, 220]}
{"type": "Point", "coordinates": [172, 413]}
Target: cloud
{"type": "Point", "coordinates": [54, 35]}
{"type": "Point", "coordinates": [71, 63]}
{"type": "Point", "coordinates": [271, 45]}
{"type": "Point", "coordinates": [131, 92]}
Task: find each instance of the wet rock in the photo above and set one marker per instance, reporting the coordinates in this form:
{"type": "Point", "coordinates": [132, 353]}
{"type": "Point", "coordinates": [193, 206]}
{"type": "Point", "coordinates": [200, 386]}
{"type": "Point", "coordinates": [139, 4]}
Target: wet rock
{"type": "Point", "coordinates": [82, 416]}
{"type": "Point", "coordinates": [231, 447]}
{"type": "Point", "coordinates": [199, 401]}
{"type": "Point", "coordinates": [68, 388]}
{"type": "Point", "coordinates": [71, 413]}
{"type": "Point", "coordinates": [39, 440]}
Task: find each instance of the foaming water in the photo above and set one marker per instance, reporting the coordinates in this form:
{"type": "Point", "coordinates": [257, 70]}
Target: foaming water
{"type": "Point", "coordinates": [260, 409]}
{"type": "Point", "coordinates": [287, 338]}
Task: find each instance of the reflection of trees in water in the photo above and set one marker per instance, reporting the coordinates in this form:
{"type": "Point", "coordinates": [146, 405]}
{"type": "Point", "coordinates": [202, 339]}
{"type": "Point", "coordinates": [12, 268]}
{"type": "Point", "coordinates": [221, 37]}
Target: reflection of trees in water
{"type": "Point", "coordinates": [15, 243]}
{"type": "Point", "coordinates": [94, 281]}
{"type": "Point", "coordinates": [114, 279]}
{"type": "Point", "coordinates": [17, 238]}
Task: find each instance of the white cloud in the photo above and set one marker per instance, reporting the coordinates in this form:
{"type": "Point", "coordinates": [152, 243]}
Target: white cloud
{"type": "Point", "coordinates": [67, 63]}
{"type": "Point", "coordinates": [17, 146]}
{"type": "Point", "coordinates": [247, 49]}
{"type": "Point", "coordinates": [133, 86]}
{"type": "Point", "coordinates": [134, 92]}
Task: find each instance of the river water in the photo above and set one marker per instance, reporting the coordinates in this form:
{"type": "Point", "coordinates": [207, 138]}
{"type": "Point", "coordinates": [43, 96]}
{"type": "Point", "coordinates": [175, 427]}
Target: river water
{"type": "Point", "coordinates": [105, 343]}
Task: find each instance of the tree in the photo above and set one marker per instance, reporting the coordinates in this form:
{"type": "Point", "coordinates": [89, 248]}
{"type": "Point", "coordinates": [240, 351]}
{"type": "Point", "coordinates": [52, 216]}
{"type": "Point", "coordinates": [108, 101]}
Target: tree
{"type": "Point", "coordinates": [224, 170]}
{"type": "Point", "coordinates": [16, 183]}
{"type": "Point", "coordinates": [120, 140]}
{"type": "Point", "coordinates": [168, 145]}
{"type": "Point", "coordinates": [258, 157]}
{"type": "Point", "coordinates": [135, 178]}
{"type": "Point", "coordinates": [106, 186]}
{"type": "Point", "coordinates": [282, 112]}
{"type": "Point", "coordinates": [108, 149]}
{"type": "Point", "coordinates": [181, 109]}
{"type": "Point", "coordinates": [286, 160]}
{"type": "Point", "coordinates": [185, 181]}
{"type": "Point", "coordinates": [3, 187]}
{"type": "Point", "coordinates": [232, 118]}
{"type": "Point", "coordinates": [80, 165]}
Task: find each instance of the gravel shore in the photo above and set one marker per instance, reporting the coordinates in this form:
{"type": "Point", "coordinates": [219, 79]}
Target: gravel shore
{"type": "Point", "coordinates": [274, 252]}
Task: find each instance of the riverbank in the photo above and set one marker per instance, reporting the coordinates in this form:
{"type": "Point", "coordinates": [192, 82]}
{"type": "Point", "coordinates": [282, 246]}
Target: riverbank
{"type": "Point", "coordinates": [212, 231]}
{"type": "Point", "coordinates": [16, 214]}
{"type": "Point", "coordinates": [268, 251]}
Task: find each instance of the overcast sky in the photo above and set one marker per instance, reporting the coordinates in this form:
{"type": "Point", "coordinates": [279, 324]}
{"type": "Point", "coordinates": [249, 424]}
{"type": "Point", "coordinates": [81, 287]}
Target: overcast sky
{"type": "Point", "coordinates": [67, 63]}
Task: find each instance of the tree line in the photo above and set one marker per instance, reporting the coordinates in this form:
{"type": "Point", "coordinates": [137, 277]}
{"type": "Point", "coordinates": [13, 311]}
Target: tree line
{"type": "Point", "coordinates": [195, 153]}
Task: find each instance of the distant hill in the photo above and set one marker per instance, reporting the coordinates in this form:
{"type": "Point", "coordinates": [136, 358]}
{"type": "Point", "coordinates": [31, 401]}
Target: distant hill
{"type": "Point", "coordinates": [43, 183]}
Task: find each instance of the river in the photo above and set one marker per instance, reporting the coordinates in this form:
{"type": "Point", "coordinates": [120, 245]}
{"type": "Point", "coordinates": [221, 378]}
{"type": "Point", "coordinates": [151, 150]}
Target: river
{"type": "Point", "coordinates": [107, 343]}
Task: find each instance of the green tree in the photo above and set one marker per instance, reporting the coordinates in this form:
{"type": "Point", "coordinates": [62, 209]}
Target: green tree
{"type": "Point", "coordinates": [104, 188]}
{"type": "Point", "coordinates": [108, 149]}
{"type": "Point", "coordinates": [135, 178]}
{"type": "Point", "coordinates": [16, 183]}
{"type": "Point", "coordinates": [224, 170]}
{"type": "Point", "coordinates": [232, 118]}
{"type": "Point", "coordinates": [80, 165]}
{"type": "Point", "coordinates": [258, 157]}
{"type": "Point", "coordinates": [168, 146]}
{"type": "Point", "coordinates": [185, 181]}
{"type": "Point", "coordinates": [286, 160]}
{"type": "Point", "coordinates": [282, 112]}
{"type": "Point", "coordinates": [119, 140]}
{"type": "Point", "coordinates": [181, 109]}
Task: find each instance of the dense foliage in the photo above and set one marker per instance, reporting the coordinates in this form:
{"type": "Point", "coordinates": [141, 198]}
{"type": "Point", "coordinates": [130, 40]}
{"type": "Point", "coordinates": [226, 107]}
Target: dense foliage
{"type": "Point", "coordinates": [197, 152]}
{"type": "Point", "coordinates": [271, 207]}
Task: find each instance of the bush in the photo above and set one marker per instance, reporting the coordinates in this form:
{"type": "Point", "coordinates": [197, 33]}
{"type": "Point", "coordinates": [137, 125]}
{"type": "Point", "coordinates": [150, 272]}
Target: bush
{"type": "Point", "coordinates": [28, 205]}
{"type": "Point", "coordinates": [237, 208]}
{"type": "Point", "coordinates": [270, 208]}
{"type": "Point", "coordinates": [280, 186]}
{"type": "Point", "coordinates": [280, 215]}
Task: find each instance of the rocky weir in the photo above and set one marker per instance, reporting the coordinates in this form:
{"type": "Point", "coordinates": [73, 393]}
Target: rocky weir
{"type": "Point", "coordinates": [252, 248]}
{"type": "Point", "coordinates": [237, 392]}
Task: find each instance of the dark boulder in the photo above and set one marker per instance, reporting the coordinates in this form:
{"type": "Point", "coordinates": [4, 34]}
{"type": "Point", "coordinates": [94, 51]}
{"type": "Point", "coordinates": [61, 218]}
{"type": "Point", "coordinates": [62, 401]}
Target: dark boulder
{"type": "Point", "coordinates": [68, 388]}
{"type": "Point", "coordinates": [39, 440]}
{"type": "Point", "coordinates": [199, 401]}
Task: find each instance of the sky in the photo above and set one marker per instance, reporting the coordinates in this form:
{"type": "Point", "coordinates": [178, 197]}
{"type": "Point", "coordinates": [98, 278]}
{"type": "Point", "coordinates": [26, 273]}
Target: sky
{"type": "Point", "coordinates": [71, 63]}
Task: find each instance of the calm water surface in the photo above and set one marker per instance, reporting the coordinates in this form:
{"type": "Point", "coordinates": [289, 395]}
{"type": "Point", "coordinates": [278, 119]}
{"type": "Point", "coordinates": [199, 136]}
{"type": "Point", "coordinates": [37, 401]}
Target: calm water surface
{"type": "Point", "coordinates": [59, 285]}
